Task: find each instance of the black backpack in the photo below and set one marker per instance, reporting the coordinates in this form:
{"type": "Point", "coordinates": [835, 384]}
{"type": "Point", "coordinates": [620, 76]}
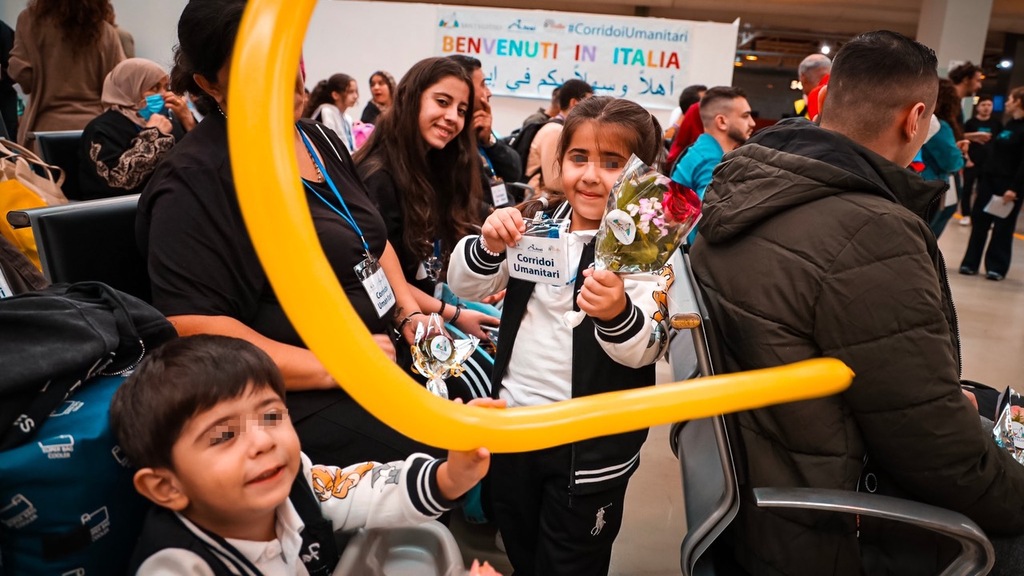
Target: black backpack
{"type": "Point", "coordinates": [520, 141]}
{"type": "Point", "coordinates": [55, 340]}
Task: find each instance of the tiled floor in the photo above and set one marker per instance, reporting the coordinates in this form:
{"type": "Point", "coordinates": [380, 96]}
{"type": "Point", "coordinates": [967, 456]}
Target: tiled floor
{"type": "Point", "coordinates": [991, 318]}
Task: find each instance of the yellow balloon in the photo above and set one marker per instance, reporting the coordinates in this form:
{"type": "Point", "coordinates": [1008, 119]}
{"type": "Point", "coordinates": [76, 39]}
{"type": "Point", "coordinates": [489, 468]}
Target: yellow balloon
{"type": "Point", "coordinates": [260, 105]}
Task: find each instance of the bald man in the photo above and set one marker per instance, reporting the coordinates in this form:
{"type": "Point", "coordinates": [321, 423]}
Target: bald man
{"type": "Point", "coordinates": [813, 73]}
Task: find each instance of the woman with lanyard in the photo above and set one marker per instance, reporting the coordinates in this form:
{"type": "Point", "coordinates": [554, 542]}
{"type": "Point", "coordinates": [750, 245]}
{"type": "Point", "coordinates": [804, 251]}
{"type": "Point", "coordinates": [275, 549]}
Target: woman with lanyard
{"type": "Point", "coordinates": [421, 168]}
{"type": "Point", "coordinates": [141, 122]}
{"type": "Point", "coordinates": [205, 274]}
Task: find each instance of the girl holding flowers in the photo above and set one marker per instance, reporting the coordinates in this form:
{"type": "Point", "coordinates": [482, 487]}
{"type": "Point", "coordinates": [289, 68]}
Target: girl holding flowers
{"type": "Point", "coordinates": [560, 509]}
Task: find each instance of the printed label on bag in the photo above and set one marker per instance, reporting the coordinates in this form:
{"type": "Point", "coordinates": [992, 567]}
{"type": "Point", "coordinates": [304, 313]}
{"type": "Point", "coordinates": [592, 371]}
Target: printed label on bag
{"type": "Point", "coordinates": [98, 523]}
{"type": "Point", "coordinates": [543, 260]}
{"type": "Point", "coordinates": [18, 513]}
{"type": "Point", "coordinates": [58, 447]}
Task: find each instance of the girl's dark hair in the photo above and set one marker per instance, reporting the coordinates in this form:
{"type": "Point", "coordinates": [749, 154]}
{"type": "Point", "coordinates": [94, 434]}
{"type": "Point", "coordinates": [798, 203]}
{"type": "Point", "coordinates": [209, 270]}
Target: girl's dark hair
{"type": "Point", "coordinates": [81, 21]}
{"type": "Point", "coordinates": [441, 194]}
{"type": "Point", "coordinates": [641, 131]}
{"type": "Point", "coordinates": [947, 107]}
{"type": "Point", "coordinates": [388, 79]}
{"type": "Point", "coordinates": [175, 383]}
{"type": "Point", "coordinates": [323, 92]}
{"type": "Point", "coordinates": [206, 38]}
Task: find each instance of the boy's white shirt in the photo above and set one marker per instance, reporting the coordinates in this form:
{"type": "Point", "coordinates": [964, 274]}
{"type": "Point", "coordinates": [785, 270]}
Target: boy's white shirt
{"type": "Point", "coordinates": [540, 365]}
{"type": "Point", "coordinates": [367, 495]}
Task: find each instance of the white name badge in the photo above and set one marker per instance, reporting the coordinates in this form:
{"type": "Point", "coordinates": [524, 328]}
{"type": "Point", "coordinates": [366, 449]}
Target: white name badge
{"type": "Point", "coordinates": [499, 194]}
{"type": "Point", "coordinates": [540, 260]}
{"type": "Point", "coordinates": [375, 282]}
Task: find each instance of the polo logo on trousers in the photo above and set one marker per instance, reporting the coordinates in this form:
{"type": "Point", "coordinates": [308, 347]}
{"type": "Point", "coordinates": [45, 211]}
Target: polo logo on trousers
{"type": "Point", "coordinates": [599, 523]}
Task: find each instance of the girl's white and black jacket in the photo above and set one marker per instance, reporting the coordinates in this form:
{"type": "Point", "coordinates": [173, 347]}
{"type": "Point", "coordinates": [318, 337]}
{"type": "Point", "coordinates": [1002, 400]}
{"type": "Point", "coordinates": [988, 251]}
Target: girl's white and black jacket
{"type": "Point", "coordinates": [605, 356]}
{"type": "Point", "coordinates": [323, 500]}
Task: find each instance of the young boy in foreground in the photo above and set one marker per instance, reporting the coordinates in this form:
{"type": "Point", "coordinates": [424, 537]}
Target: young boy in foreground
{"type": "Point", "coordinates": [204, 420]}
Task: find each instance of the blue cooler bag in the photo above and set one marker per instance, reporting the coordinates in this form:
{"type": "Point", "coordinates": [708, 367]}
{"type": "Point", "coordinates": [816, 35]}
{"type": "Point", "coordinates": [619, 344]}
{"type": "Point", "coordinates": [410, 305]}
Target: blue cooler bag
{"type": "Point", "coordinates": [67, 503]}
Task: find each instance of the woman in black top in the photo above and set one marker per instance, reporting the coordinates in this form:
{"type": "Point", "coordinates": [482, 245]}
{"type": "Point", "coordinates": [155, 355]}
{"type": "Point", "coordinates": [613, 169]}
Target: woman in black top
{"type": "Point", "coordinates": [206, 276]}
{"type": "Point", "coordinates": [121, 147]}
{"type": "Point", "coordinates": [423, 172]}
{"type": "Point", "coordinates": [1003, 175]}
{"type": "Point", "coordinates": [382, 91]}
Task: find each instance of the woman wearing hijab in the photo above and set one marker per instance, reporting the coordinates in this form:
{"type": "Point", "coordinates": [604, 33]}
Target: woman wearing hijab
{"type": "Point", "coordinates": [121, 147]}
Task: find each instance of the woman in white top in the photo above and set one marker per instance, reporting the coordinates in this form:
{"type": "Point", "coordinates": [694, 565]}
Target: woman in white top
{"type": "Point", "coordinates": [328, 103]}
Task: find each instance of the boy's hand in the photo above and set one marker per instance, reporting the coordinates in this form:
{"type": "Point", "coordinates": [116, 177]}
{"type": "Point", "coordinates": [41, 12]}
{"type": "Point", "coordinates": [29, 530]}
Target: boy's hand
{"type": "Point", "coordinates": [603, 295]}
{"type": "Point", "coordinates": [504, 227]}
{"type": "Point", "coordinates": [464, 469]}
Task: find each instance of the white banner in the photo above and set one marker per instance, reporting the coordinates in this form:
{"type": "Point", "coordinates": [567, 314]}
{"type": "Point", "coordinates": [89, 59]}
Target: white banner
{"type": "Point", "coordinates": [528, 53]}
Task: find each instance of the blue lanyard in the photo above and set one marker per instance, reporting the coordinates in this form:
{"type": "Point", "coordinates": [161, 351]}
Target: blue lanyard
{"type": "Point", "coordinates": [347, 214]}
{"type": "Point", "coordinates": [487, 159]}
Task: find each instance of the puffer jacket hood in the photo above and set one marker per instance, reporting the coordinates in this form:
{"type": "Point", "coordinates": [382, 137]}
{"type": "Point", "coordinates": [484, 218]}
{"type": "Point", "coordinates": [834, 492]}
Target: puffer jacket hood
{"type": "Point", "coordinates": [796, 162]}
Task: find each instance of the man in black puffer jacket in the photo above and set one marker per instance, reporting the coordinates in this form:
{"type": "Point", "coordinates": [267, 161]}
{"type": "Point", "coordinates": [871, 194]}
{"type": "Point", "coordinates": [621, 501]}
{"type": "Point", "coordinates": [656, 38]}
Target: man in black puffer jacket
{"type": "Point", "coordinates": [814, 243]}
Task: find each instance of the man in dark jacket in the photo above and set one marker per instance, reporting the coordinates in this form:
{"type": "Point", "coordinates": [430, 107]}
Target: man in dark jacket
{"type": "Point", "coordinates": [814, 243]}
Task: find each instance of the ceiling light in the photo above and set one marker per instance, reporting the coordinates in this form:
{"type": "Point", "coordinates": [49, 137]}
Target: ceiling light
{"type": "Point", "coordinates": [825, 49]}
{"type": "Point", "coordinates": [751, 57]}
{"type": "Point", "coordinates": [1005, 64]}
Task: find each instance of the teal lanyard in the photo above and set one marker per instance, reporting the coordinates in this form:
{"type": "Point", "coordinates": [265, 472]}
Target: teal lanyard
{"type": "Point", "coordinates": [487, 160]}
{"type": "Point", "coordinates": [347, 214]}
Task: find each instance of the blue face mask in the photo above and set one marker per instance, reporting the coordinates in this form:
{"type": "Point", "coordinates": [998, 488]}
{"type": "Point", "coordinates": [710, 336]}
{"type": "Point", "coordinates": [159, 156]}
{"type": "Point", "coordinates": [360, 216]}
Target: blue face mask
{"type": "Point", "coordinates": [154, 105]}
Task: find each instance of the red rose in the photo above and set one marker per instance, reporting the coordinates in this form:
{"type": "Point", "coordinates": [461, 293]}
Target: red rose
{"type": "Point", "coordinates": [680, 203]}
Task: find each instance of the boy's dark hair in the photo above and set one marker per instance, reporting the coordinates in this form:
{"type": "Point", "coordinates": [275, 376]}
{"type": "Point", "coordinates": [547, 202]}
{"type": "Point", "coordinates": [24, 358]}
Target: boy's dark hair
{"type": "Point", "coordinates": [178, 380]}
{"type": "Point", "coordinates": [715, 100]}
{"type": "Point", "coordinates": [875, 75]}
{"type": "Point", "coordinates": [570, 90]}
{"type": "Point", "coordinates": [690, 96]}
{"type": "Point", "coordinates": [983, 98]}
{"type": "Point", "coordinates": [206, 39]}
{"type": "Point", "coordinates": [965, 71]}
{"type": "Point", "coordinates": [468, 63]}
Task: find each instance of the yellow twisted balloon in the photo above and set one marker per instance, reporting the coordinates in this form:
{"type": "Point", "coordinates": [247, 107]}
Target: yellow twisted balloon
{"type": "Point", "coordinates": [267, 177]}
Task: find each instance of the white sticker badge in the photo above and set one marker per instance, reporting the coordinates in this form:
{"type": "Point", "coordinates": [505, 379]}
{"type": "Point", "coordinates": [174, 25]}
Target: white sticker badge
{"type": "Point", "coordinates": [541, 260]}
{"type": "Point", "coordinates": [375, 282]}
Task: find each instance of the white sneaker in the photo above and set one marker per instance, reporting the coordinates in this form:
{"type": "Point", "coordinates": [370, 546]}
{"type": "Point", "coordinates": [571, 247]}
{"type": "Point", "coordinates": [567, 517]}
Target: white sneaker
{"type": "Point", "coordinates": [965, 221]}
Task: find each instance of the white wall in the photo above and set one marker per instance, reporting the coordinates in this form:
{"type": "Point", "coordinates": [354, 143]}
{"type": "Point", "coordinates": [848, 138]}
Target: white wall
{"type": "Point", "coordinates": [353, 45]}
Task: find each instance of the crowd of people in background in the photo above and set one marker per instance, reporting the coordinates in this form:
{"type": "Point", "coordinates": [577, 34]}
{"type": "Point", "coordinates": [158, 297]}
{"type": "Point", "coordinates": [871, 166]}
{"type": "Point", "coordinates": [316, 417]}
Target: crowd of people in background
{"type": "Point", "coordinates": [422, 196]}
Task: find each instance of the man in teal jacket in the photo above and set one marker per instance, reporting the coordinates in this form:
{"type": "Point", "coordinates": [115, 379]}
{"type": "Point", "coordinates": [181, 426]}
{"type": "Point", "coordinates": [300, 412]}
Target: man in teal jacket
{"type": "Point", "coordinates": [727, 120]}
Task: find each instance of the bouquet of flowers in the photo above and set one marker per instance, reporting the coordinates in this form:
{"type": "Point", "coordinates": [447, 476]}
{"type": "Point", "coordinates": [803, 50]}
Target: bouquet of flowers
{"type": "Point", "coordinates": [1009, 429]}
{"type": "Point", "coordinates": [647, 218]}
{"type": "Point", "coordinates": [436, 355]}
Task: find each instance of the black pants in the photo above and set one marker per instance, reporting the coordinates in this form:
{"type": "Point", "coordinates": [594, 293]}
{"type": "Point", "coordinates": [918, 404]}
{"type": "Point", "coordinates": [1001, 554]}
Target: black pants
{"type": "Point", "coordinates": [1000, 247]}
{"type": "Point", "coordinates": [970, 178]}
{"type": "Point", "coordinates": [546, 531]}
